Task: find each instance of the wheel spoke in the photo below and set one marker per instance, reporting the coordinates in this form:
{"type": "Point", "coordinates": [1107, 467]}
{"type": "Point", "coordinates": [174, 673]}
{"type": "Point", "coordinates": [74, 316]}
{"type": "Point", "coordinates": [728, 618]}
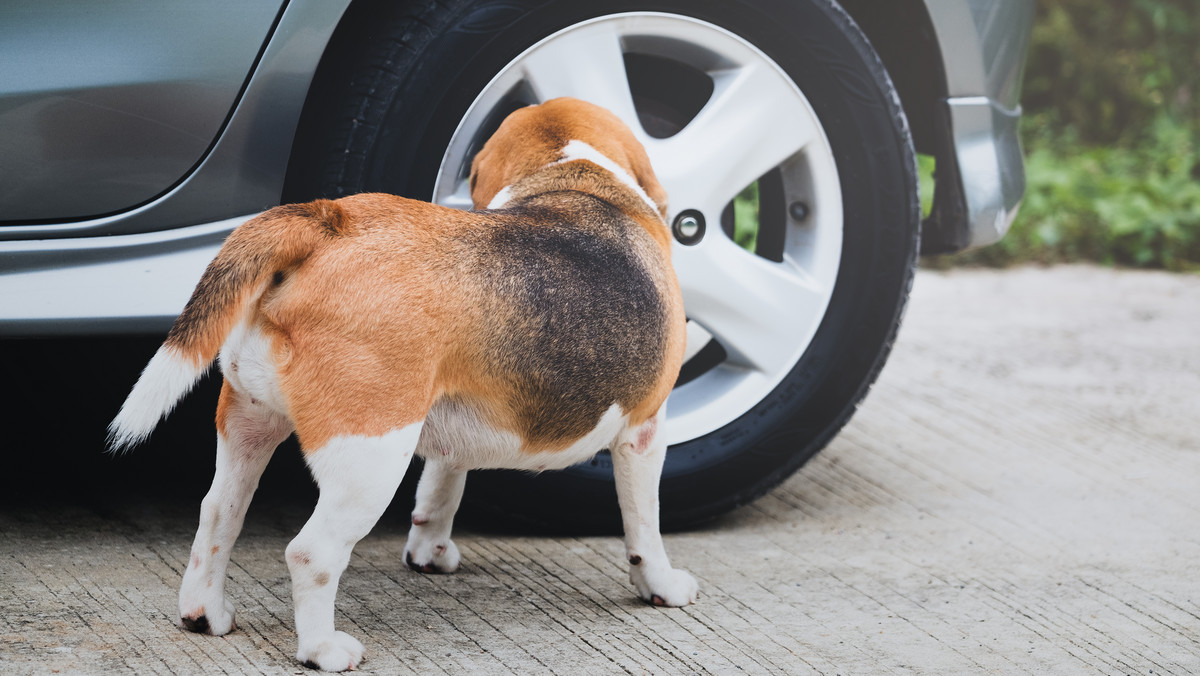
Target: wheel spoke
{"type": "Point", "coordinates": [754, 121]}
{"type": "Point", "coordinates": [460, 198]}
{"type": "Point", "coordinates": [759, 310]}
{"type": "Point", "coordinates": [560, 68]}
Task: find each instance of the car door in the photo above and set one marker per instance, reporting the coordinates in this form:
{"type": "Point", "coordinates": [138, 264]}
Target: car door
{"type": "Point", "coordinates": [106, 104]}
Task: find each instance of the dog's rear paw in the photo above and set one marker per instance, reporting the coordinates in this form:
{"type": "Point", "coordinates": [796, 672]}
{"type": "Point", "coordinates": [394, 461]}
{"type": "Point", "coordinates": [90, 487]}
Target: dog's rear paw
{"type": "Point", "coordinates": [337, 652]}
{"type": "Point", "coordinates": [431, 557]}
{"type": "Point", "coordinates": [216, 623]}
{"type": "Point", "coordinates": [669, 587]}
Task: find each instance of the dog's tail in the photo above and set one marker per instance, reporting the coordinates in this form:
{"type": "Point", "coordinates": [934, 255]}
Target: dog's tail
{"type": "Point", "coordinates": [254, 255]}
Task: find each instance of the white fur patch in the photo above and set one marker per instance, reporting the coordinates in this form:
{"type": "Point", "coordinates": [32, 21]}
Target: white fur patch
{"type": "Point", "coordinates": [637, 465]}
{"type": "Point", "coordinates": [358, 477]}
{"type": "Point", "coordinates": [501, 199]}
{"type": "Point", "coordinates": [251, 435]}
{"type": "Point", "coordinates": [429, 547]}
{"type": "Point", "coordinates": [456, 435]}
{"type": "Point", "coordinates": [577, 150]}
{"type": "Point", "coordinates": [359, 464]}
{"type": "Point", "coordinates": [162, 384]}
{"type": "Point", "coordinates": [247, 363]}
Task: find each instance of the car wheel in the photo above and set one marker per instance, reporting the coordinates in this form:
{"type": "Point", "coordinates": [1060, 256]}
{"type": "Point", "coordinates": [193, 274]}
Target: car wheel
{"type": "Point", "coordinates": [792, 182]}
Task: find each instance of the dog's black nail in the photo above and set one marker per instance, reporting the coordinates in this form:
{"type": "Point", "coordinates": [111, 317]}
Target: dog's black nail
{"type": "Point", "coordinates": [312, 665]}
{"type": "Point", "coordinates": [412, 564]}
{"type": "Point", "coordinates": [198, 625]}
{"type": "Point", "coordinates": [421, 568]}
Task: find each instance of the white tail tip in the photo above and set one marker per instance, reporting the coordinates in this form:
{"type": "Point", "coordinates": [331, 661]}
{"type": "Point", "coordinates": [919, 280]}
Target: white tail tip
{"type": "Point", "coordinates": [162, 384]}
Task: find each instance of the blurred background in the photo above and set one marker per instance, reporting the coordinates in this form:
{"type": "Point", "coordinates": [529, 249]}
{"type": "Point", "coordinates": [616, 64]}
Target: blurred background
{"type": "Point", "coordinates": [1112, 122]}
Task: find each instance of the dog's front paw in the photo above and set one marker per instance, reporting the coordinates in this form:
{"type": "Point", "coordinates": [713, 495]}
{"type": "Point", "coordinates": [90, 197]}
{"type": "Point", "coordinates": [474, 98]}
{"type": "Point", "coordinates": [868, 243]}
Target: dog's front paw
{"type": "Point", "coordinates": [337, 652]}
{"type": "Point", "coordinates": [431, 556]}
{"type": "Point", "coordinates": [664, 586]}
{"type": "Point", "coordinates": [217, 620]}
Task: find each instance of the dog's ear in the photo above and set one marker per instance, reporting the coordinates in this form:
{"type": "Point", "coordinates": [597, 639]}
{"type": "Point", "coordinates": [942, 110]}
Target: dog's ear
{"type": "Point", "coordinates": [474, 177]}
{"type": "Point", "coordinates": [503, 159]}
{"type": "Point", "coordinates": [486, 178]}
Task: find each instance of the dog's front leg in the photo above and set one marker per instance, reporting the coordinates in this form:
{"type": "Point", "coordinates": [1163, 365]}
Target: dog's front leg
{"type": "Point", "coordinates": [429, 548]}
{"type": "Point", "coordinates": [357, 477]}
{"type": "Point", "coordinates": [247, 434]}
{"type": "Point", "coordinates": [638, 455]}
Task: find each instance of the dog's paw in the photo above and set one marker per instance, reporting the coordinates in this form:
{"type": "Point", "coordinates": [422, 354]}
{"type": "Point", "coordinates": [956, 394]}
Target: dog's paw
{"type": "Point", "coordinates": [337, 652]}
{"type": "Point", "coordinates": [665, 586]}
{"type": "Point", "coordinates": [431, 556]}
{"type": "Point", "coordinates": [202, 621]}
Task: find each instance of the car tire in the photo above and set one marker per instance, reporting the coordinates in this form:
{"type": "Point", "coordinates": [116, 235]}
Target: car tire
{"type": "Point", "coordinates": [388, 109]}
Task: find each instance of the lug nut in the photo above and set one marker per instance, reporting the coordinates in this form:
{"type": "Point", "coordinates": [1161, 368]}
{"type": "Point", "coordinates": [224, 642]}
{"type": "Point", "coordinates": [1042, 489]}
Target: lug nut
{"type": "Point", "coordinates": [798, 211]}
{"type": "Point", "coordinates": [688, 227]}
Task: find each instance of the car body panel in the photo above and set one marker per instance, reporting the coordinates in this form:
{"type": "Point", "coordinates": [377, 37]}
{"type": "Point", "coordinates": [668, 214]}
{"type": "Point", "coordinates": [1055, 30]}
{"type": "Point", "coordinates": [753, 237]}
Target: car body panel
{"type": "Point", "coordinates": [105, 105]}
{"type": "Point", "coordinates": [60, 278]}
{"type": "Point", "coordinates": [243, 171]}
{"type": "Point", "coordinates": [116, 284]}
{"type": "Point", "coordinates": [984, 45]}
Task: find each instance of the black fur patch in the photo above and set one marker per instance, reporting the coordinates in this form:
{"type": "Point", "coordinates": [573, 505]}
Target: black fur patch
{"type": "Point", "coordinates": [590, 325]}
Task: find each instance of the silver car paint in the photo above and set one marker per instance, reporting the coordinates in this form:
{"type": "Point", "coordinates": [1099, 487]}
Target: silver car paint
{"type": "Point", "coordinates": [61, 279]}
{"type": "Point", "coordinates": [105, 105]}
{"type": "Point", "coordinates": [983, 50]}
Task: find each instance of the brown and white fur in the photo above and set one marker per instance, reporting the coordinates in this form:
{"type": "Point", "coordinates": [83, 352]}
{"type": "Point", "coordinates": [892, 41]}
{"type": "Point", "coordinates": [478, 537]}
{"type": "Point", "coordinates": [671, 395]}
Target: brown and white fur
{"type": "Point", "coordinates": [530, 334]}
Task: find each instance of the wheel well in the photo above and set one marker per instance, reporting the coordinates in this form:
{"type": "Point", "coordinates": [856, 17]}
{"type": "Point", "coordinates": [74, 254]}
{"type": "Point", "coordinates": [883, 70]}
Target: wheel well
{"type": "Point", "coordinates": [902, 35]}
{"type": "Point", "coordinates": [355, 32]}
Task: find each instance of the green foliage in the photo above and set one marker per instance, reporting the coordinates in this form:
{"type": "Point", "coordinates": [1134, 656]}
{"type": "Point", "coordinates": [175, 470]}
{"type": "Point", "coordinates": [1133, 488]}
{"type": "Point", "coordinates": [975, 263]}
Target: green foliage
{"type": "Point", "coordinates": [925, 166]}
{"type": "Point", "coordinates": [1137, 207]}
{"type": "Point", "coordinates": [1108, 70]}
{"type": "Point", "coordinates": [1112, 137]}
{"type": "Point", "coordinates": [745, 217]}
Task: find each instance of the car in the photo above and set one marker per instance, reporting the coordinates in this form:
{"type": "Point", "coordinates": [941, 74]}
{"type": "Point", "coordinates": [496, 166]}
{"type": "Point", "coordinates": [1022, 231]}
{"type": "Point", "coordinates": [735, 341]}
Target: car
{"type": "Point", "coordinates": [135, 136]}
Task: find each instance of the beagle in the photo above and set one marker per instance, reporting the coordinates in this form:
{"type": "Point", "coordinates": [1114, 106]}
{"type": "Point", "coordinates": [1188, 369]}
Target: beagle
{"type": "Point", "coordinates": [529, 334]}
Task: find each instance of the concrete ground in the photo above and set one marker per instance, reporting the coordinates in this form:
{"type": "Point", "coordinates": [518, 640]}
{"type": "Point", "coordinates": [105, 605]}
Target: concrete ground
{"type": "Point", "coordinates": [1019, 493]}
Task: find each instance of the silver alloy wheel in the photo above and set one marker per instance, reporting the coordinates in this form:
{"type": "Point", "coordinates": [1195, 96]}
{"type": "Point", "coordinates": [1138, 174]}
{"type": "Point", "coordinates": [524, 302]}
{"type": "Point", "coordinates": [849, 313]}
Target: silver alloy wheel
{"type": "Point", "coordinates": [763, 313]}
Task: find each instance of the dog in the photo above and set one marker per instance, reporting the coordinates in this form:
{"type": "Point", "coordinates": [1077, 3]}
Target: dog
{"type": "Point", "coordinates": [531, 333]}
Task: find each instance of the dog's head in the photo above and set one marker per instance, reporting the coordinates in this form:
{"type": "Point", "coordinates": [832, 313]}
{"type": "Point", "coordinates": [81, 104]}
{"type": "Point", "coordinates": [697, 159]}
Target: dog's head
{"type": "Point", "coordinates": [561, 130]}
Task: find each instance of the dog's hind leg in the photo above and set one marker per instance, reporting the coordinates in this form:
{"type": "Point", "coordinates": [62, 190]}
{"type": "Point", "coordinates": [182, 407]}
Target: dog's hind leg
{"type": "Point", "coordinates": [429, 548]}
{"type": "Point", "coordinates": [247, 434]}
{"type": "Point", "coordinates": [357, 477]}
{"type": "Point", "coordinates": [638, 455]}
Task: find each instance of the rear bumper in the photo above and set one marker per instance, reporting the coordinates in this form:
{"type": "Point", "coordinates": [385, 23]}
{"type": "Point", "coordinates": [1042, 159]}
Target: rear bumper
{"type": "Point", "coordinates": [981, 171]}
{"type": "Point", "coordinates": [991, 168]}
